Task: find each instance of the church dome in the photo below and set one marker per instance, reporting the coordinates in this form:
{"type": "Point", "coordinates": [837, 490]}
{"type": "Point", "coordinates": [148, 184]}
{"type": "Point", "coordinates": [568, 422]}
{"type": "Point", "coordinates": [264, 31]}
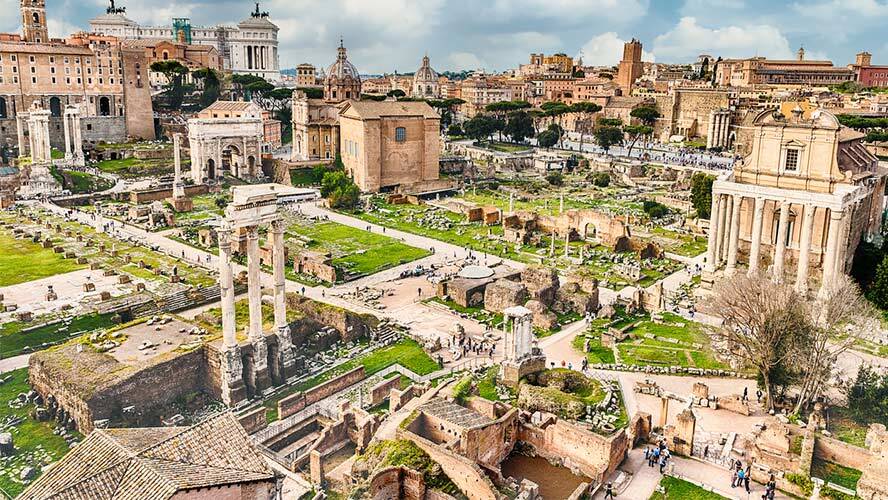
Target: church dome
{"type": "Point", "coordinates": [425, 73]}
{"type": "Point", "coordinates": [342, 69]}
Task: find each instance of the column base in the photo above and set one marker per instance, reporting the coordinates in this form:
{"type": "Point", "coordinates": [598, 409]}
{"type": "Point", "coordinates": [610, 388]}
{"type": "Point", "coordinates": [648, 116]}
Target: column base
{"type": "Point", "coordinates": [707, 279]}
{"type": "Point", "coordinates": [260, 375]}
{"type": "Point", "coordinates": [231, 369]}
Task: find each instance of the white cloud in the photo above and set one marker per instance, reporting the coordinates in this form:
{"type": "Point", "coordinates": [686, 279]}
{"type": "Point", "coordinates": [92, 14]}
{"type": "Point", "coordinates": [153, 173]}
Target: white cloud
{"type": "Point", "coordinates": [575, 11]}
{"type": "Point", "coordinates": [688, 39]}
{"type": "Point", "coordinates": [463, 60]}
{"type": "Point", "coordinates": [58, 28]}
{"type": "Point", "coordinates": [606, 49]}
{"type": "Point", "coordinates": [832, 10]}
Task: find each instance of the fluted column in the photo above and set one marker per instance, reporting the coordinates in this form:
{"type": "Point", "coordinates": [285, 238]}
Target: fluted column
{"type": "Point", "coordinates": [780, 247]}
{"type": "Point", "coordinates": [712, 246]}
{"type": "Point", "coordinates": [720, 237]}
{"type": "Point", "coordinates": [756, 236]}
{"type": "Point", "coordinates": [20, 135]}
{"type": "Point", "coordinates": [726, 222]}
{"type": "Point", "coordinates": [832, 244]}
{"type": "Point", "coordinates": [734, 235]}
{"type": "Point", "coordinates": [66, 117]}
{"type": "Point", "coordinates": [801, 284]}
{"type": "Point", "coordinates": [254, 283]}
{"type": "Point", "coordinates": [226, 290]}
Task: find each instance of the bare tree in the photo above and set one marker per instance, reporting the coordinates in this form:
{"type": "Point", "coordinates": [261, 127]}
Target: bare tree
{"type": "Point", "coordinates": [763, 321]}
{"type": "Point", "coordinates": [841, 318]}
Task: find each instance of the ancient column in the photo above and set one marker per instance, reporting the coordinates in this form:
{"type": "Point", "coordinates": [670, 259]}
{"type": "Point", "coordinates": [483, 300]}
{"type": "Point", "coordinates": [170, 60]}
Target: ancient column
{"type": "Point", "coordinates": [842, 249]}
{"type": "Point", "coordinates": [67, 129]}
{"type": "Point", "coordinates": [801, 284]}
{"type": "Point", "coordinates": [720, 237]}
{"type": "Point", "coordinates": [561, 204]}
{"type": "Point", "coordinates": [832, 245]}
{"type": "Point", "coordinates": [178, 185]}
{"type": "Point", "coordinates": [567, 243]}
{"type": "Point", "coordinates": [231, 365]}
{"type": "Point", "coordinates": [511, 203]}
{"type": "Point", "coordinates": [20, 135]}
{"type": "Point", "coordinates": [226, 289]}
{"type": "Point", "coordinates": [282, 328]}
{"type": "Point", "coordinates": [259, 376]}
{"type": "Point", "coordinates": [780, 247]}
{"type": "Point", "coordinates": [254, 283]}
{"type": "Point", "coordinates": [734, 237]}
{"type": "Point", "coordinates": [756, 237]}
{"type": "Point", "coordinates": [713, 233]}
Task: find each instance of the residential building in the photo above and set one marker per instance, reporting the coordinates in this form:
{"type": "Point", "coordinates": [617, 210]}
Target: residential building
{"type": "Point", "coordinates": [868, 75]}
{"type": "Point", "coordinates": [762, 71]}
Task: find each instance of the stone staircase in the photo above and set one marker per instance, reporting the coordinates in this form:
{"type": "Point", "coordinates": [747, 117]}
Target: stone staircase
{"type": "Point", "coordinates": [387, 334]}
{"type": "Point", "coordinates": [182, 300]}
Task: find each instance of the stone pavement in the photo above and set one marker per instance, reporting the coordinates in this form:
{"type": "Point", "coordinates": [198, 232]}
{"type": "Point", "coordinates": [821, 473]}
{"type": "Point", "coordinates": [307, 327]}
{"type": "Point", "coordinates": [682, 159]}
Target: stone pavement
{"type": "Point", "coordinates": [645, 479]}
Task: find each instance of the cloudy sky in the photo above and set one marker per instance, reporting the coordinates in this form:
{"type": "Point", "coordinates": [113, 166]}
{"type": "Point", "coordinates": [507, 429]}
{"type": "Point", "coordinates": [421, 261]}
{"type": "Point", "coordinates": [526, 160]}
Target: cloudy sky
{"type": "Point", "coordinates": [388, 35]}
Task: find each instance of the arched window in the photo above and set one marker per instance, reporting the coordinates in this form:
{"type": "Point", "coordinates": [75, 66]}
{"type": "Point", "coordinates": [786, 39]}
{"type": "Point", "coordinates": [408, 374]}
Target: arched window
{"type": "Point", "coordinates": [104, 106]}
{"type": "Point", "coordinates": [36, 18]}
{"type": "Point", "coordinates": [2, 107]}
{"type": "Point", "coordinates": [55, 106]}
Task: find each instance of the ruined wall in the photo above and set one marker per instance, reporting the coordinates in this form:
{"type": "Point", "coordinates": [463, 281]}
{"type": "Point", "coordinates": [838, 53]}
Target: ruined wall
{"type": "Point", "coordinates": [160, 194]}
{"type": "Point", "coordinates": [382, 390]}
{"type": "Point", "coordinates": [467, 475]}
{"type": "Point", "coordinates": [350, 325]}
{"type": "Point", "coordinates": [578, 449]}
{"type": "Point", "coordinates": [261, 489]}
{"type": "Point", "coordinates": [397, 482]}
{"type": "Point", "coordinates": [491, 444]}
{"type": "Point", "coordinates": [254, 420]}
{"type": "Point", "coordinates": [833, 450]}
{"type": "Point", "coordinates": [295, 402]}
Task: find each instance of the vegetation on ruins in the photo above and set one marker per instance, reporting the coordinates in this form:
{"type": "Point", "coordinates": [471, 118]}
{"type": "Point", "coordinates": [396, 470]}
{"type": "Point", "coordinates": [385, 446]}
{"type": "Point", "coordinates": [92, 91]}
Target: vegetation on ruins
{"type": "Point", "coordinates": [563, 392]}
{"type": "Point", "coordinates": [701, 193]}
{"type": "Point", "coordinates": [340, 190]}
{"type": "Point", "coordinates": [405, 453]}
{"type": "Point", "coordinates": [174, 72]}
{"type": "Point", "coordinates": [868, 396]}
{"type": "Point", "coordinates": [608, 136]}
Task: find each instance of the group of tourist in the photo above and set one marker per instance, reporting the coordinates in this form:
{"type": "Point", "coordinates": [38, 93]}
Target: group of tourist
{"type": "Point", "coordinates": [659, 455]}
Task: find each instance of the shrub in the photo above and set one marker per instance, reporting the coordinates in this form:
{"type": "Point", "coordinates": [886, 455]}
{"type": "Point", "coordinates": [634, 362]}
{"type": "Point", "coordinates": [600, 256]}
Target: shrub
{"type": "Point", "coordinates": [555, 179]}
{"type": "Point", "coordinates": [600, 179]}
{"type": "Point", "coordinates": [802, 481]}
{"type": "Point", "coordinates": [654, 209]}
{"type": "Point", "coordinates": [462, 389]}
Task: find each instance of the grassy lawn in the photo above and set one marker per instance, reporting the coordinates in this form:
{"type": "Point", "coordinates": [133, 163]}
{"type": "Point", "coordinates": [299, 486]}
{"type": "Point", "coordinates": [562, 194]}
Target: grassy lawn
{"type": "Point", "coordinates": [304, 177]}
{"type": "Point", "coordinates": [834, 473]}
{"type": "Point", "coordinates": [82, 182]}
{"type": "Point", "coordinates": [453, 228]}
{"type": "Point", "coordinates": [204, 208]}
{"type": "Point", "coordinates": [355, 252]}
{"type": "Point", "coordinates": [35, 443]}
{"type": "Point", "coordinates": [675, 488]}
{"type": "Point", "coordinates": [541, 205]}
{"type": "Point", "coordinates": [13, 341]}
{"type": "Point", "coordinates": [684, 244]}
{"type": "Point", "coordinates": [133, 167]}
{"type": "Point", "coordinates": [406, 352]}
{"type": "Point", "coordinates": [506, 147]}
{"type": "Point", "coordinates": [674, 341]}
{"type": "Point", "coordinates": [22, 261]}
{"type": "Point", "coordinates": [189, 274]}
{"type": "Point", "coordinates": [846, 429]}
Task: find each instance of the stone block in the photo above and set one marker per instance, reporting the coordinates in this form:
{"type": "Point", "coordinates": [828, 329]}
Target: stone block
{"type": "Point", "coordinates": [123, 279]}
{"type": "Point", "coordinates": [541, 282]}
{"type": "Point", "coordinates": [503, 294]}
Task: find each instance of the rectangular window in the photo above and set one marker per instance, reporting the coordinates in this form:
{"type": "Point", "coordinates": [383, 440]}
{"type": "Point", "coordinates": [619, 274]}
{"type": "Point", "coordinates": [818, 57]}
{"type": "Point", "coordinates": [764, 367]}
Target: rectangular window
{"type": "Point", "coordinates": [792, 160]}
{"type": "Point", "coordinates": [400, 134]}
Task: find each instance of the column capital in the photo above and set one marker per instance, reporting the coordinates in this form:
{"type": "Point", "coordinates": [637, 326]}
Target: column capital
{"type": "Point", "coordinates": [252, 232]}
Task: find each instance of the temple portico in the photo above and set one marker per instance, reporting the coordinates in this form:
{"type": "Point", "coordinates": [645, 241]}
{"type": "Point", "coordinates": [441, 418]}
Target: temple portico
{"type": "Point", "coordinates": [73, 138]}
{"type": "Point", "coordinates": [799, 202]}
{"type": "Point", "coordinates": [257, 370]}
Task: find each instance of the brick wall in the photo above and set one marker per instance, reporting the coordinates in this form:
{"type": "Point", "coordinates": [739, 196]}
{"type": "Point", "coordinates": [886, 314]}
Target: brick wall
{"type": "Point", "coordinates": [467, 476]}
{"type": "Point", "coordinates": [254, 420]}
{"type": "Point", "coordinates": [833, 450]}
{"type": "Point", "coordinates": [380, 391]}
{"type": "Point", "coordinates": [295, 402]}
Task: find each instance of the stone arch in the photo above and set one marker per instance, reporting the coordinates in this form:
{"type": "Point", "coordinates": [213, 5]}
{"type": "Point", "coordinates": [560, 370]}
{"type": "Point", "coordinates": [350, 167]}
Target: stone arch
{"type": "Point", "coordinates": [104, 106]}
{"type": "Point", "coordinates": [589, 231]}
{"type": "Point", "coordinates": [232, 158]}
{"type": "Point", "coordinates": [251, 165]}
{"type": "Point", "coordinates": [211, 169]}
{"type": "Point", "coordinates": [55, 106]}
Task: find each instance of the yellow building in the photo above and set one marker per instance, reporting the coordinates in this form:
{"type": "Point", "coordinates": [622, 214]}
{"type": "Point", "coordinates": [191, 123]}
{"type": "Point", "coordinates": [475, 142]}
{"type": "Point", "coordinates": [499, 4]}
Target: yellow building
{"type": "Point", "coordinates": [802, 199]}
{"type": "Point", "coordinates": [390, 144]}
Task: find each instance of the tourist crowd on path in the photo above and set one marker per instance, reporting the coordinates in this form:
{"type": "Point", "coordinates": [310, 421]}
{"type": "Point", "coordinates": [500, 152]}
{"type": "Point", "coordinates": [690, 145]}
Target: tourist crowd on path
{"type": "Point", "coordinates": [658, 456]}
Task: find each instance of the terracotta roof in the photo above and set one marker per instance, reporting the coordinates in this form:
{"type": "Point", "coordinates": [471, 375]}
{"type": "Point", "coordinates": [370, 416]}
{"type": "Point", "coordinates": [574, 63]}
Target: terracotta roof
{"type": "Point", "coordinates": [44, 48]}
{"type": "Point", "coordinates": [370, 110]}
{"type": "Point", "coordinates": [153, 462]}
{"type": "Point", "coordinates": [229, 106]}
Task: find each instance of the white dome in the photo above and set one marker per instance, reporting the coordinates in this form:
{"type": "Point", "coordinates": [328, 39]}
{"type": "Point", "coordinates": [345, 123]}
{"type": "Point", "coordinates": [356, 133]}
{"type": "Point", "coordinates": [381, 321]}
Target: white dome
{"type": "Point", "coordinates": [425, 73]}
{"type": "Point", "coordinates": [342, 69]}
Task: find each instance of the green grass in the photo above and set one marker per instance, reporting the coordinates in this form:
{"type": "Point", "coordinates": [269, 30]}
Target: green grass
{"type": "Point", "coordinates": [844, 428]}
{"type": "Point", "coordinates": [598, 354]}
{"type": "Point", "coordinates": [506, 147]}
{"type": "Point", "coordinates": [679, 489]}
{"type": "Point", "coordinates": [22, 261]}
{"type": "Point", "coordinates": [242, 318]}
{"type": "Point", "coordinates": [354, 251]}
{"type": "Point", "coordinates": [29, 437]}
{"type": "Point", "coordinates": [133, 167]}
{"type": "Point", "coordinates": [81, 182]}
{"type": "Point", "coordinates": [406, 352]}
{"type": "Point", "coordinates": [682, 244]}
{"type": "Point", "coordinates": [304, 177]}
{"type": "Point", "coordinates": [834, 473]}
{"type": "Point", "coordinates": [13, 341]}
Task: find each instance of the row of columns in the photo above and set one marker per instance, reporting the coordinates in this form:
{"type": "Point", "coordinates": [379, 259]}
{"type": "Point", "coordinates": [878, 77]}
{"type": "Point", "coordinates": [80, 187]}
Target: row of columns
{"type": "Point", "coordinates": [257, 57]}
{"type": "Point", "coordinates": [38, 136]}
{"type": "Point", "coordinates": [719, 128]}
{"type": "Point", "coordinates": [724, 237]}
{"type": "Point", "coordinates": [73, 138]}
{"type": "Point", "coordinates": [231, 362]}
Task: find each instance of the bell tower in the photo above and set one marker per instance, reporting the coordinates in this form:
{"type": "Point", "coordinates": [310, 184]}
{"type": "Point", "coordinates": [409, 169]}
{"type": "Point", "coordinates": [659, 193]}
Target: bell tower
{"type": "Point", "coordinates": [34, 21]}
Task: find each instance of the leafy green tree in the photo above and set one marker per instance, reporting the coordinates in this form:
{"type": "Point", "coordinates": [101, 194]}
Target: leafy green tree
{"type": "Point", "coordinates": [547, 138]}
{"type": "Point", "coordinates": [654, 209]}
{"type": "Point", "coordinates": [312, 92]}
{"type": "Point", "coordinates": [868, 397]}
{"type": "Point", "coordinates": [585, 110]}
{"type": "Point", "coordinates": [636, 132]}
{"type": "Point", "coordinates": [556, 110]}
{"type": "Point", "coordinates": [608, 136]}
{"type": "Point", "coordinates": [479, 127]}
{"type": "Point", "coordinates": [600, 179]}
{"type": "Point", "coordinates": [878, 290]}
{"type": "Point", "coordinates": [701, 194]}
{"type": "Point", "coordinates": [446, 108]}
{"type": "Point", "coordinates": [396, 93]}
{"type": "Point", "coordinates": [211, 83]}
{"type": "Point", "coordinates": [647, 115]}
{"type": "Point", "coordinates": [610, 122]}
{"type": "Point", "coordinates": [174, 72]}
{"type": "Point", "coordinates": [555, 179]}
{"type": "Point", "coordinates": [519, 126]}
{"type": "Point", "coordinates": [340, 190]}
{"type": "Point", "coordinates": [455, 130]}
